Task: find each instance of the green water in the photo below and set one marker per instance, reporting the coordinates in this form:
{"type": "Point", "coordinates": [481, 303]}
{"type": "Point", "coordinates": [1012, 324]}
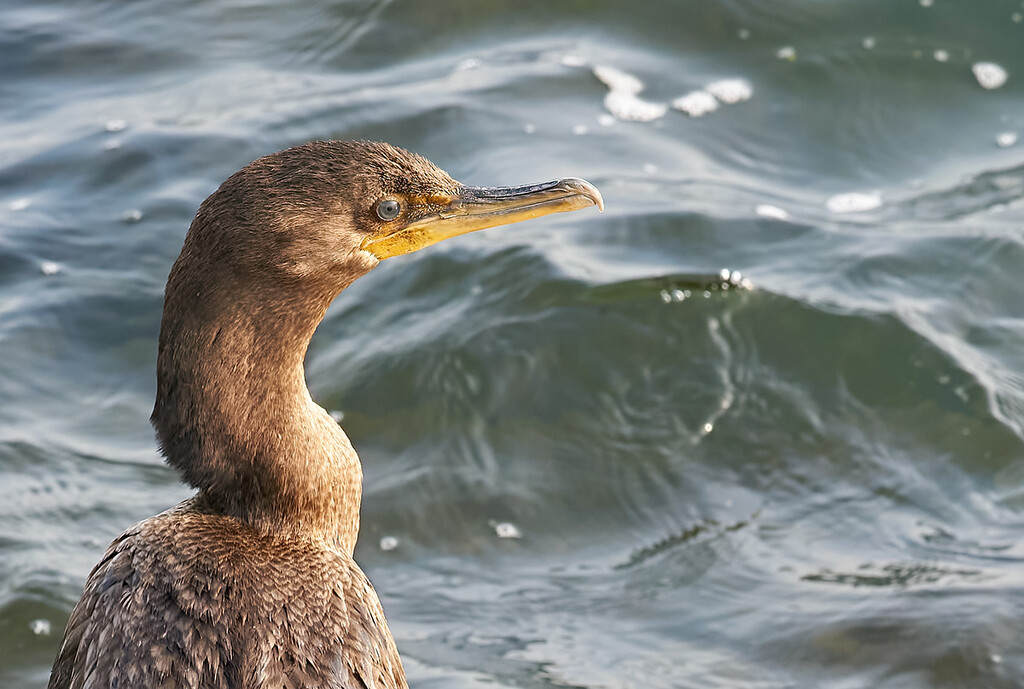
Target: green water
{"type": "Point", "coordinates": [814, 482]}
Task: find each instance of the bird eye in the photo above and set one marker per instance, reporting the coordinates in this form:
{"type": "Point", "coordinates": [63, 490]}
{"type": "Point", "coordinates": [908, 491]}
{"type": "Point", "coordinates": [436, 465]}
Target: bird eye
{"type": "Point", "coordinates": [388, 209]}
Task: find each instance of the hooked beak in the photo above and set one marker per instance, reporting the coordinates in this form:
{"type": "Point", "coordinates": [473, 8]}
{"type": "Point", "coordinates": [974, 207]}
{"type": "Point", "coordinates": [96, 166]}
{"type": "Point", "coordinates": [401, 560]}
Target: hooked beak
{"type": "Point", "coordinates": [477, 208]}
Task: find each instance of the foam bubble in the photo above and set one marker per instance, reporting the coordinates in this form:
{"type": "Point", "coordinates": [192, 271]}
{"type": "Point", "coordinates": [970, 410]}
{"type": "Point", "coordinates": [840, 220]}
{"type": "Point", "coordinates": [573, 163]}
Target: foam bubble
{"type": "Point", "coordinates": [696, 103]}
{"type": "Point", "coordinates": [626, 106]}
{"type": "Point", "coordinates": [507, 530]}
{"type": "Point", "coordinates": [617, 80]}
{"type": "Point", "coordinates": [622, 100]}
{"type": "Point", "coordinates": [730, 90]}
{"type": "Point", "coordinates": [989, 74]}
{"type": "Point", "coordinates": [1006, 139]}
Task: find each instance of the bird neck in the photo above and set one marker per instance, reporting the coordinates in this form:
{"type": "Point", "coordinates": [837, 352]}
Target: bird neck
{"type": "Point", "coordinates": [234, 416]}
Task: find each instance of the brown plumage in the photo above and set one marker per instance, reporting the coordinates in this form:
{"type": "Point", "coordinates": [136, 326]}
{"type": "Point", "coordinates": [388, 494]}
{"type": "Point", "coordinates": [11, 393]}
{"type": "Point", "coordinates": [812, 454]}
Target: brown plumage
{"type": "Point", "coordinates": [251, 583]}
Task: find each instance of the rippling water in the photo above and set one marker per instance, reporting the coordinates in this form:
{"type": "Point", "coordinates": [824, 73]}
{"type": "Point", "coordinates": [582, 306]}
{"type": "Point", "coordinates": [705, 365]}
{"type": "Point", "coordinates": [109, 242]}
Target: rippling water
{"type": "Point", "coordinates": [590, 459]}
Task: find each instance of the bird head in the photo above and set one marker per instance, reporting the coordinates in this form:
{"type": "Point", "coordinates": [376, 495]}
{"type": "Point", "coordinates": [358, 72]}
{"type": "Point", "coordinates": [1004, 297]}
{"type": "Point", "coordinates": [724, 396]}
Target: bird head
{"type": "Point", "coordinates": [328, 211]}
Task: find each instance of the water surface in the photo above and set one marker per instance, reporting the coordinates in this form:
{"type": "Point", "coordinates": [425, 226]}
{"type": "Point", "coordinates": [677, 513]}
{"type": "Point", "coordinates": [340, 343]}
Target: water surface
{"type": "Point", "coordinates": [814, 480]}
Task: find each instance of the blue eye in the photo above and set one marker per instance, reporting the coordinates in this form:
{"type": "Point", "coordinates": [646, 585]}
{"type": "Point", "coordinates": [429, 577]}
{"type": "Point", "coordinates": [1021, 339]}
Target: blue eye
{"type": "Point", "coordinates": [388, 209]}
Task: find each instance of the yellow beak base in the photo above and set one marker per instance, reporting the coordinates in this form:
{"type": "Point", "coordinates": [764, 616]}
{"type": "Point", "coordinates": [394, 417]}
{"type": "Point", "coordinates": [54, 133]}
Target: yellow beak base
{"type": "Point", "coordinates": [478, 208]}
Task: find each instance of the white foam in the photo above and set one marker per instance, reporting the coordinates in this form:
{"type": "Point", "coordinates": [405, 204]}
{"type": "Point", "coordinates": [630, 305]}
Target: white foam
{"type": "Point", "coordinates": [1006, 139]}
{"type": "Point", "coordinates": [622, 100]}
{"type": "Point", "coordinates": [627, 106]}
{"type": "Point", "coordinates": [696, 103]}
{"type": "Point", "coordinates": [507, 530]}
{"type": "Point", "coordinates": [617, 80]}
{"type": "Point", "coordinates": [388, 543]}
{"type": "Point", "coordinates": [624, 103]}
{"type": "Point", "coordinates": [989, 74]}
{"type": "Point", "coordinates": [787, 52]}
{"type": "Point", "coordinates": [730, 91]}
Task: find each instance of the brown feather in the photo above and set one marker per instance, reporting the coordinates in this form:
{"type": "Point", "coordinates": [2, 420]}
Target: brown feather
{"type": "Point", "coordinates": [190, 598]}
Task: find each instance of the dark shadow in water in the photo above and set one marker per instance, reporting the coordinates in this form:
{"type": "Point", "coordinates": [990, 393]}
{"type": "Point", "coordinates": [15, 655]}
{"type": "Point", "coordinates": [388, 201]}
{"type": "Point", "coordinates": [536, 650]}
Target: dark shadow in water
{"type": "Point", "coordinates": [709, 527]}
{"type": "Point", "coordinates": [899, 575]}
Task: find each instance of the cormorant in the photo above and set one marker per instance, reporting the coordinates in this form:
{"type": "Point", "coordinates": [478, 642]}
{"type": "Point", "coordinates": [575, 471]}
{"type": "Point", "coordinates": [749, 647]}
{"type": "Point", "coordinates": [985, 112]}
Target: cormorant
{"type": "Point", "coordinates": [251, 582]}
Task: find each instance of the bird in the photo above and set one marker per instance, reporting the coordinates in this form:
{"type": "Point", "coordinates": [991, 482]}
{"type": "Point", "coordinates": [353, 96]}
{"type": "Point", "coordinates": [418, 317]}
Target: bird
{"type": "Point", "coordinates": [251, 583]}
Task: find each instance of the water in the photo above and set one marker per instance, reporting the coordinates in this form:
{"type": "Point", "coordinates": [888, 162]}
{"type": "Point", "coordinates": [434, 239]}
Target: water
{"type": "Point", "coordinates": [570, 479]}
